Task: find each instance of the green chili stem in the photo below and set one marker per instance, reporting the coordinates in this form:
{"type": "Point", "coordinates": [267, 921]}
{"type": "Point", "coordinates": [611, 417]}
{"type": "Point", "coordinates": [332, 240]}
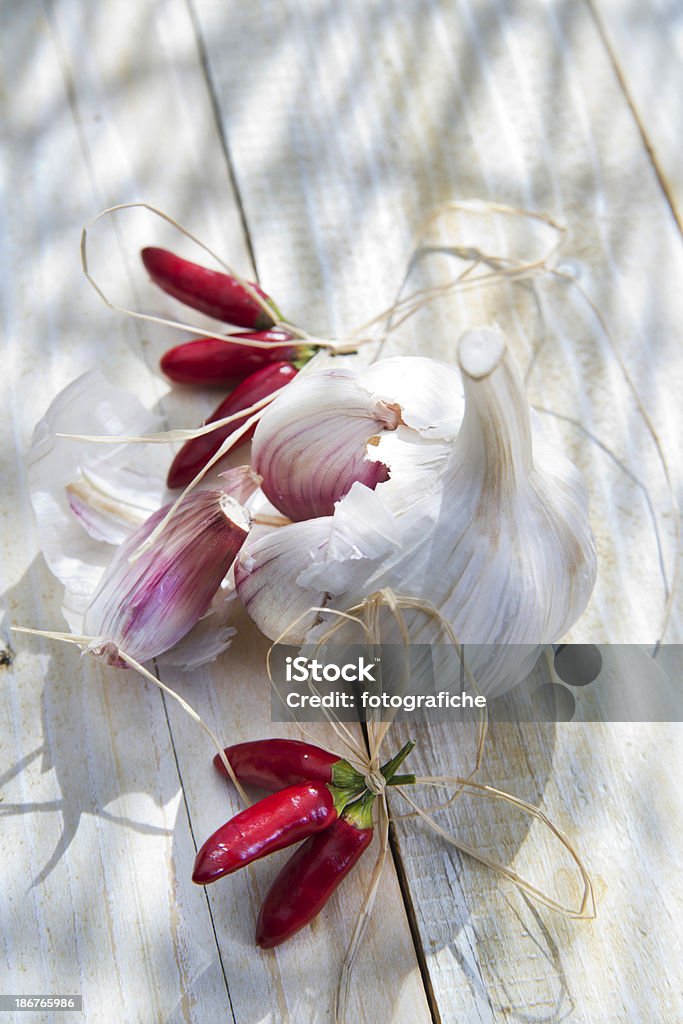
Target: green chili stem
{"type": "Point", "coordinates": [402, 780]}
{"type": "Point", "coordinates": [389, 769]}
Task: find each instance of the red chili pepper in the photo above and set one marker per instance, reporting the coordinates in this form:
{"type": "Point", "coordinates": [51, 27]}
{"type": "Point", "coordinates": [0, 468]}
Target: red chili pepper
{"type": "Point", "coordinates": [272, 764]}
{"type": "Point", "coordinates": [210, 291]}
{"type": "Point", "coordinates": [210, 362]}
{"type": "Point", "coordinates": [277, 821]}
{"type": "Point", "coordinates": [312, 874]}
{"type": "Point", "coordinates": [195, 454]}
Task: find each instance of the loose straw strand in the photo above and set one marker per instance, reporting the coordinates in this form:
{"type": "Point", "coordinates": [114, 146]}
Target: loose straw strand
{"type": "Point", "coordinates": [248, 287]}
{"type": "Point", "coordinates": [194, 715]}
{"type": "Point", "coordinates": [163, 523]}
{"type": "Point", "coordinates": [81, 640]}
{"type": "Point", "coordinates": [363, 915]}
{"type": "Point", "coordinates": [342, 732]}
{"type": "Point", "coordinates": [167, 436]}
{"type": "Point", "coordinates": [503, 267]}
{"type": "Point", "coordinates": [587, 906]}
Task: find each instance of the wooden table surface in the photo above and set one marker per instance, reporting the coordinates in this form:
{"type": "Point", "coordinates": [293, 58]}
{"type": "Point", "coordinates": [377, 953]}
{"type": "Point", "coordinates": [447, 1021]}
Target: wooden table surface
{"type": "Point", "coordinates": [306, 141]}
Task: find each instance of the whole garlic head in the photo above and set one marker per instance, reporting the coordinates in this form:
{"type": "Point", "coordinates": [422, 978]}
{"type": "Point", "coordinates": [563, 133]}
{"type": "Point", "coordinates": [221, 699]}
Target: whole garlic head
{"type": "Point", "coordinates": [480, 517]}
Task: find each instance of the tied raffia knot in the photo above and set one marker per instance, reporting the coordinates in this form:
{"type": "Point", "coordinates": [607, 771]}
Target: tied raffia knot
{"type": "Point", "coordinates": [375, 782]}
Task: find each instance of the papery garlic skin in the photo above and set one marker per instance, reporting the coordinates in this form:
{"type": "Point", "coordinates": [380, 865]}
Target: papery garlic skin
{"type": "Point", "coordinates": [89, 405]}
{"type": "Point", "coordinates": [88, 497]}
{"type": "Point", "coordinates": [522, 493]}
{"type": "Point", "coordinates": [293, 568]}
{"type": "Point", "coordinates": [262, 600]}
{"type": "Point", "coordinates": [517, 544]}
{"type": "Point", "coordinates": [103, 512]}
{"type": "Point", "coordinates": [144, 607]}
{"type": "Point", "coordinates": [208, 639]}
{"type": "Point", "coordinates": [311, 460]}
{"type": "Point", "coordinates": [296, 559]}
{"type": "Point", "coordinates": [489, 524]}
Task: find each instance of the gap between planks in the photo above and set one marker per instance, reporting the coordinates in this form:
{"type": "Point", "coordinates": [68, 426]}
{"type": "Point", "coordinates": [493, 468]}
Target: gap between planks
{"type": "Point", "coordinates": [72, 98]}
{"type": "Point", "coordinates": [393, 846]}
{"type": "Point", "coordinates": [647, 144]}
{"type": "Point", "coordinates": [194, 841]}
{"type": "Point", "coordinates": [218, 123]}
{"type": "Point", "coordinates": [404, 886]}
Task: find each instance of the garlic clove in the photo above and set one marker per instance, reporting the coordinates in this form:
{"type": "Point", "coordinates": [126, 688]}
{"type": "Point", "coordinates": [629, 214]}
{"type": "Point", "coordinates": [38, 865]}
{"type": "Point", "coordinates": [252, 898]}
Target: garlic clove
{"type": "Point", "coordinates": [211, 635]}
{"type": "Point", "coordinates": [267, 578]}
{"type": "Point", "coordinates": [509, 561]}
{"type": "Point", "coordinates": [362, 531]}
{"type": "Point", "coordinates": [529, 502]}
{"type": "Point", "coordinates": [282, 575]}
{"type": "Point", "coordinates": [316, 440]}
{"type": "Point", "coordinates": [144, 607]}
{"type": "Point", "coordinates": [240, 482]}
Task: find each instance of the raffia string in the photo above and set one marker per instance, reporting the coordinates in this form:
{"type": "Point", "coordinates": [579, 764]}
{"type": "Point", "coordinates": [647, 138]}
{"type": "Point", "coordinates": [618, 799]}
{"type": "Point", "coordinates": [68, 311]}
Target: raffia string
{"type": "Point", "coordinates": [483, 269]}
{"type": "Point", "coordinates": [367, 759]}
{"type": "Point", "coordinates": [89, 645]}
{"type": "Point", "coordinates": [231, 337]}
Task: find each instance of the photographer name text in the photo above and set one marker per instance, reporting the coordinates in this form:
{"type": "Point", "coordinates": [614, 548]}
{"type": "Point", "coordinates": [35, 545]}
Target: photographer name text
{"type": "Point", "coordinates": [374, 701]}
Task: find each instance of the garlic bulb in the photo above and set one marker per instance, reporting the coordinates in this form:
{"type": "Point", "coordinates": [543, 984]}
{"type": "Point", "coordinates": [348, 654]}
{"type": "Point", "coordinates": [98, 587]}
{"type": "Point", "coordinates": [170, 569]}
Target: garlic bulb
{"type": "Point", "coordinates": [487, 523]}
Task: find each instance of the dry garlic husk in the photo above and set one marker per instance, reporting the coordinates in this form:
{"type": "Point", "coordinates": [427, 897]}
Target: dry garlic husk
{"type": "Point", "coordinates": [87, 498]}
{"type": "Point", "coordinates": [480, 517]}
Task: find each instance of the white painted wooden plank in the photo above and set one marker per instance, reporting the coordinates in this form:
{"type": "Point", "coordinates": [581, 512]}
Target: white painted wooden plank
{"type": "Point", "coordinates": [646, 42]}
{"type": "Point", "coordinates": [491, 950]}
{"type": "Point", "coordinates": [97, 852]}
{"type": "Point", "coordinates": [347, 124]}
{"type": "Point", "coordinates": [298, 981]}
{"type": "Point", "coordinates": [117, 93]}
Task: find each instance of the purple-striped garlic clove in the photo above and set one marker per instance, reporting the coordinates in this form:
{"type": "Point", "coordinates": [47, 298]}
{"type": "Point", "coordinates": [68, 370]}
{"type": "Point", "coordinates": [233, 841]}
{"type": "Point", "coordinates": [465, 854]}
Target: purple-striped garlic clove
{"type": "Point", "coordinates": [317, 439]}
{"type": "Point", "coordinates": [144, 607]}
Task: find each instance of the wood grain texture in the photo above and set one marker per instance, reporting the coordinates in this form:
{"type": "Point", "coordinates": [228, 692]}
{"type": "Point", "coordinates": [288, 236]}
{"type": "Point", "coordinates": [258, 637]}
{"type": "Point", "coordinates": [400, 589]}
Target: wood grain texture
{"type": "Point", "coordinates": [112, 913]}
{"type": "Point", "coordinates": [297, 981]}
{"type": "Point", "coordinates": [344, 125]}
{"type": "Point", "coordinates": [347, 124]}
{"type": "Point", "coordinates": [645, 40]}
{"type": "Point", "coordinates": [93, 899]}
{"type": "Point", "coordinates": [118, 110]}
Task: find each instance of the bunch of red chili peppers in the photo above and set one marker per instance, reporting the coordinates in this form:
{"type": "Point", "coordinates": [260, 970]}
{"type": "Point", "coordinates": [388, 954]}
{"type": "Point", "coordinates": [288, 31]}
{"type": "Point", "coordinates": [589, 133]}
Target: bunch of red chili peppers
{"type": "Point", "coordinates": [315, 796]}
{"type": "Point", "coordinates": [209, 361]}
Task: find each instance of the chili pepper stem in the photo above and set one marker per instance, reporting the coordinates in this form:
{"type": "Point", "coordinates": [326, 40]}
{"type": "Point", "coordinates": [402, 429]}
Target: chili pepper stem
{"type": "Point", "coordinates": [402, 780]}
{"type": "Point", "coordinates": [345, 776]}
{"type": "Point", "coordinates": [343, 797]}
{"type": "Point", "coordinates": [306, 353]}
{"type": "Point", "coordinates": [359, 813]}
{"type": "Point", "coordinates": [389, 769]}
